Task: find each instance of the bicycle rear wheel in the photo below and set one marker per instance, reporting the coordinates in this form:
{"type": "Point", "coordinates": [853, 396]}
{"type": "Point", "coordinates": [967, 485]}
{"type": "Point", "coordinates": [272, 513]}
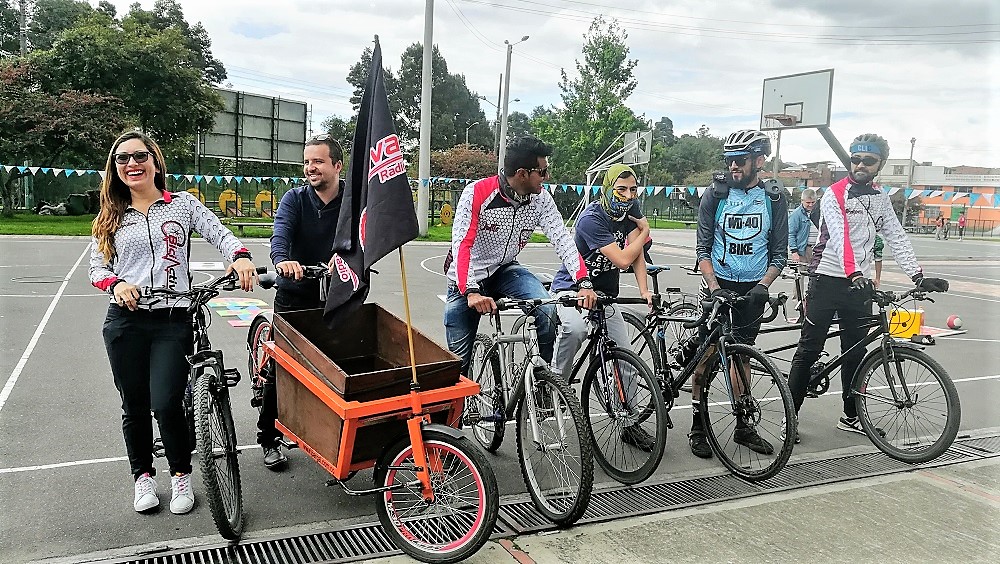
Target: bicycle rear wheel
{"type": "Point", "coordinates": [625, 415]}
{"type": "Point", "coordinates": [260, 333]}
{"type": "Point", "coordinates": [220, 469]}
{"type": "Point", "coordinates": [466, 499]}
{"type": "Point", "coordinates": [744, 414]}
{"type": "Point", "coordinates": [915, 431]}
{"type": "Point", "coordinates": [554, 452]}
{"type": "Point", "coordinates": [484, 413]}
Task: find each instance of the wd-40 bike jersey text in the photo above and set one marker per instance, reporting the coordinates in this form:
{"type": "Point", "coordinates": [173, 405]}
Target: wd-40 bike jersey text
{"type": "Point", "coordinates": [743, 233]}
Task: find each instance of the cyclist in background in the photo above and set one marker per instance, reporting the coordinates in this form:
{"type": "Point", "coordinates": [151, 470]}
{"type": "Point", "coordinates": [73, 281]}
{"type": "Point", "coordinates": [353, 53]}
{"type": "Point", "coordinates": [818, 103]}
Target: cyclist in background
{"type": "Point", "coordinates": [494, 220]}
{"type": "Point", "coordinates": [609, 234]}
{"type": "Point", "coordinates": [142, 239]}
{"type": "Point", "coordinates": [854, 213]}
{"type": "Point", "coordinates": [742, 248]}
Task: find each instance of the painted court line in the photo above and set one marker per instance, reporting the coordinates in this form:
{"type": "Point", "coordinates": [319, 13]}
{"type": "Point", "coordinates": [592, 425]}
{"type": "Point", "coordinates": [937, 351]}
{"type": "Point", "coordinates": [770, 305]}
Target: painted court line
{"type": "Point", "coordinates": [9, 386]}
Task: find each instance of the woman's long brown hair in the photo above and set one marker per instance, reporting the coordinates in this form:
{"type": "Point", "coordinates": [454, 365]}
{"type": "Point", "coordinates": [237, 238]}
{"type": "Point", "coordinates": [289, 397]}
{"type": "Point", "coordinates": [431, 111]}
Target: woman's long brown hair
{"type": "Point", "coordinates": [116, 197]}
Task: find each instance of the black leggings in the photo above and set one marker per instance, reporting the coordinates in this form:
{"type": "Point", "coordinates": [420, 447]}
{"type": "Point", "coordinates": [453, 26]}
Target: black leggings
{"type": "Point", "coordinates": [147, 351]}
{"type": "Point", "coordinates": [825, 297]}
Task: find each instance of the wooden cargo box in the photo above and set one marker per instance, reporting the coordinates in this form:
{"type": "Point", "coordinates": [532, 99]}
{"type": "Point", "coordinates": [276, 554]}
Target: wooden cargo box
{"type": "Point", "coordinates": [364, 359]}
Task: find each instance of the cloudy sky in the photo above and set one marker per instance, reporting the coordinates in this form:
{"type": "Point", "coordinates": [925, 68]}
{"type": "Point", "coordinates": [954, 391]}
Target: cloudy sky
{"type": "Point", "coordinates": [917, 68]}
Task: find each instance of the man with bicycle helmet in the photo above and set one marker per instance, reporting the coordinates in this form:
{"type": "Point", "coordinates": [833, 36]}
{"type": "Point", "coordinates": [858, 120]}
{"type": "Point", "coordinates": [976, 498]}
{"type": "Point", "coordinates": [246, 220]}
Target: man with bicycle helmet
{"type": "Point", "coordinates": [742, 248]}
{"type": "Point", "coordinates": [854, 213]}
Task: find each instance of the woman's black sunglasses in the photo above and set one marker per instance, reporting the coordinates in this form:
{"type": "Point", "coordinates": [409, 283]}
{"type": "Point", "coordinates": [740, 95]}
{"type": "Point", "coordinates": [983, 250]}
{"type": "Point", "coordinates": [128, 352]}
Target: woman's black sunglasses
{"type": "Point", "coordinates": [139, 157]}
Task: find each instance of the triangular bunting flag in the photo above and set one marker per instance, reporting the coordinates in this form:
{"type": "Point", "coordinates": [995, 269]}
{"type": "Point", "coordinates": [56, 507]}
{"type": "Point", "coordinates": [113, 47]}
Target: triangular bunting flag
{"type": "Point", "coordinates": [198, 177]}
{"type": "Point", "coordinates": [103, 174]}
{"type": "Point", "coordinates": [972, 199]}
{"type": "Point", "coordinates": [33, 169]}
{"type": "Point", "coordinates": [579, 189]}
{"type": "Point", "coordinates": [189, 177]}
{"type": "Point", "coordinates": [46, 170]}
{"type": "Point", "coordinates": [82, 172]}
{"type": "Point", "coordinates": [69, 172]}
{"type": "Point", "coordinates": [691, 190]}
{"type": "Point", "coordinates": [668, 190]}
{"type": "Point", "coordinates": [893, 190]}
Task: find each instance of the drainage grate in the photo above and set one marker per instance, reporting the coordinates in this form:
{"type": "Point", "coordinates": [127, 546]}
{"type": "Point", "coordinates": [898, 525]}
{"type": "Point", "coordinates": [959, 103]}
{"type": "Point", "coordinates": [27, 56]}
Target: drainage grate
{"type": "Point", "coordinates": [366, 541]}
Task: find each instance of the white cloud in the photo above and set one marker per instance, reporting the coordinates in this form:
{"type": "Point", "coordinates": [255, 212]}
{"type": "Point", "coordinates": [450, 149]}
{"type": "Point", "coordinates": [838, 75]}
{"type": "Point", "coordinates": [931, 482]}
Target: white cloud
{"type": "Point", "coordinates": [700, 61]}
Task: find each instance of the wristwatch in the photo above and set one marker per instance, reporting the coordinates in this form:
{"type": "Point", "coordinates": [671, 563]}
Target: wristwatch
{"type": "Point", "coordinates": [585, 284]}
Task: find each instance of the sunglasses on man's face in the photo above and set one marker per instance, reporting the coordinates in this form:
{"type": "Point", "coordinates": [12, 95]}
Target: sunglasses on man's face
{"type": "Point", "coordinates": [867, 161]}
{"type": "Point", "coordinates": [543, 172]}
{"type": "Point", "coordinates": [740, 160]}
{"type": "Point", "coordinates": [139, 157]}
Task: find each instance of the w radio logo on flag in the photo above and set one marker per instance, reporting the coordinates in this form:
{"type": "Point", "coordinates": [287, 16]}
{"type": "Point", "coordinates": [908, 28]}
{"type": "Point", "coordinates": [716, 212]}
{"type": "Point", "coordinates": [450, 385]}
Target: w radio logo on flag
{"type": "Point", "coordinates": [386, 159]}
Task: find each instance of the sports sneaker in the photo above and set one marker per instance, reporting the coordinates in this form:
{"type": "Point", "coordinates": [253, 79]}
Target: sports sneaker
{"type": "Point", "coordinates": [698, 442]}
{"type": "Point", "coordinates": [274, 459]}
{"type": "Point", "coordinates": [748, 437]}
{"type": "Point", "coordinates": [782, 435]}
{"type": "Point", "coordinates": [182, 495]}
{"type": "Point", "coordinates": [636, 436]}
{"type": "Point", "coordinates": [853, 425]}
{"type": "Point", "coordinates": [145, 493]}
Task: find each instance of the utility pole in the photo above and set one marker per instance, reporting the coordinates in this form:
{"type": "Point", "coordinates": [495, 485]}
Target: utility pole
{"type": "Point", "coordinates": [909, 180]}
{"type": "Point", "coordinates": [24, 28]}
{"type": "Point", "coordinates": [496, 124]}
{"type": "Point", "coordinates": [424, 187]}
{"type": "Point", "coordinates": [506, 98]}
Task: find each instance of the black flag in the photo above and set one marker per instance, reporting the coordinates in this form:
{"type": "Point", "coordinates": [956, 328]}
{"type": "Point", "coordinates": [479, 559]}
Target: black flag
{"type": "Point", "coordinates": [376, 215]}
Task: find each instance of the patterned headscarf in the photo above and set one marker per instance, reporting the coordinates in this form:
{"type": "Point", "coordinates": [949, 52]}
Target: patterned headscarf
{"type": "Point", "coordinates": [612, 203]}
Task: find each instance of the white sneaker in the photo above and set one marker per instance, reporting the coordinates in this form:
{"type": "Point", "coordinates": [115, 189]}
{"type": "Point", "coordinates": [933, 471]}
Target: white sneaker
{"type": "Point", "coordinates": [145, 493]}
{"type": "Point", "coordinates": [182, 494]}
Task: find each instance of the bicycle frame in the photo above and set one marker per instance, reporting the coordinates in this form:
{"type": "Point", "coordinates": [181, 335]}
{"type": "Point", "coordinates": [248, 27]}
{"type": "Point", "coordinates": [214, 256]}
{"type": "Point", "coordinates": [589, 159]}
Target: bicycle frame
{"type": "Point", "coordinates": [878, 325]}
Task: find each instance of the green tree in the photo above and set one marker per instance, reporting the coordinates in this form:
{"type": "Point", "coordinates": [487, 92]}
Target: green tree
{"type": "Point", "coordinates": [463, 162]}
{"type": "Point", "coordinates": [64, 129]}
{"type": "Point", "coordinates": [358, 78]}
{"type": "Point", "coordinates": [341, 130]}
{"type": "Point", "coordinates": [594, 112]}
{"type": "Point", "coordinates": [168, 15]}
{"type": "Point", "coordinates": [10, 39]}
{"type": "Point", "coordinates": [152, 72]}
{"type": "Point", "coordinates": [519, 125]}
{"type": "Point", "coordinates": [52, 17]}
{"type": "Point", "coordinates": [453, 106]}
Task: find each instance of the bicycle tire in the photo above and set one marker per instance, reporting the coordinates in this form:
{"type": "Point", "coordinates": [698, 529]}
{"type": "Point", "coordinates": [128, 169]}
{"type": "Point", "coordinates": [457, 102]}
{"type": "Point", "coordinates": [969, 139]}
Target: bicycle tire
{"type": "Point", "coordinates": [217, 454]}
{"type": "Point", "coordinates": [188, 402]}
{"type": "Point", "coordinates": [641, 341]}
{"type": "Point", "coordinates": [768, 408]}
{"type": "Point", "coordinates": [912, 433]}
{"type": "Point", "coordinates": [485, 371]}
{"type": "Point", "coordinates": [608, 420]}
{"type": "Point", "coordinates": [563, 502]}
{"type": "Point", "coordinates": [259, 333]}
{"type": "Point", "coordinates": [466, 502]}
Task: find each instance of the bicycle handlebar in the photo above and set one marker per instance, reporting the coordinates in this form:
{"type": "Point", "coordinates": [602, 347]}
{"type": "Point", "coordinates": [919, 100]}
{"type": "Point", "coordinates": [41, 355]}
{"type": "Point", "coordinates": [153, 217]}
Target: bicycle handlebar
{"type": "Point", "coordinates": [199, 294]}
{"type": "Point", "coordinates": [710, 307]}
{"type": "Point", "coordinates": [268, 280]}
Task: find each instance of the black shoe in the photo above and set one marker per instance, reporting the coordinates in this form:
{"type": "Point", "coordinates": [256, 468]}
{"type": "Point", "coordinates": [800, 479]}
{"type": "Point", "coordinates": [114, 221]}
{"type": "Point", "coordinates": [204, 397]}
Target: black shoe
{"type": "Point", "coordinates": [699, 443]}
{"type": "Point", "coordinates": [748, 437]}
{"type": "Point", "coordinates": [274, 459]}
{"type": "Point", "coordinates": [638, 437]}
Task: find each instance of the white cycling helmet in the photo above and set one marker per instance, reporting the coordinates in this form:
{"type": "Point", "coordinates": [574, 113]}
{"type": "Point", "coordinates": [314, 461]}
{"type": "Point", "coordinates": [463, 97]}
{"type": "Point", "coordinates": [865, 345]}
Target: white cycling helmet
{"type": "Point", "coordinates": [747, 141]}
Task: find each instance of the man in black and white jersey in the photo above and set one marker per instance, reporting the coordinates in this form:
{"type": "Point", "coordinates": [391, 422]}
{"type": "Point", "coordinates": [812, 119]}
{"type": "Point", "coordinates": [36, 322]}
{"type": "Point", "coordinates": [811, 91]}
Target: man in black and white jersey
{"type": "Point", "coordinates": [854, 212]}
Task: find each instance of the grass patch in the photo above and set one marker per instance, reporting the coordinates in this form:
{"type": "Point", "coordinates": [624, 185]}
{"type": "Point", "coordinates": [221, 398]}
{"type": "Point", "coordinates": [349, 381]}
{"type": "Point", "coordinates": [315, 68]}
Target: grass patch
{"type": "Point", "coordinates": [30, 224]}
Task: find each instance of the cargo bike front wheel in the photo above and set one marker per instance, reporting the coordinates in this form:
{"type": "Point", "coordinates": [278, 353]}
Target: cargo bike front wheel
{"type": "Point", "coordinates": [457, 518]}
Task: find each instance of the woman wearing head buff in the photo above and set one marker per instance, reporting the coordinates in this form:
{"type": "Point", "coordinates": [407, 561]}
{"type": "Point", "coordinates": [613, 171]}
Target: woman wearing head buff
{"type": "Point", "coordinates": [609, 235]}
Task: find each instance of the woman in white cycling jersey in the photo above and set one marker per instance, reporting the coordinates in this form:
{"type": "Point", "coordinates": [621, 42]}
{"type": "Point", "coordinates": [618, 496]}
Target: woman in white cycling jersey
{"type": "Point", "coordinates": [142, 239]}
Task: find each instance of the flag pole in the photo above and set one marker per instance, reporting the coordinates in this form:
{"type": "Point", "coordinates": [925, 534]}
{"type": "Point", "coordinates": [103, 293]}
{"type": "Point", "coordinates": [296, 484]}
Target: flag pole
{"type": "Point", "coordinates": [409, 325]}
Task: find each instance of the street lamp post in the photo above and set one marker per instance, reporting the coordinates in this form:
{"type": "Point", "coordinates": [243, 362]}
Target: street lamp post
{"type": "Point", "coordinates": [506, 96]}
{"type": "Point", "coordinates": [909, 180]}
{"type": "Point", "coordinates": [496, 122]}
{"type": "Point", "coordinates": [467, 131]}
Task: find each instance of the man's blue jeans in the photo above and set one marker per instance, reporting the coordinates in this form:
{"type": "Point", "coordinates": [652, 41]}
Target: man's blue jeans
{"type": "Point", "coordinates": [513, 281]}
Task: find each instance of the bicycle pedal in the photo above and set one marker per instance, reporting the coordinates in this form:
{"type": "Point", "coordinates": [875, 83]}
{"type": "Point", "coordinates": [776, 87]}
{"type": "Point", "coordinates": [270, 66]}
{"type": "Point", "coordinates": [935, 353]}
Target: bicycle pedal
{"type": "Point", "coordinates": [811, 394]}
{"type": "Point", "coordinates": [231, 377]}
{"type": "Point", "coordinates": [158, 450]}
{"type": "Point", "coordinates": [256, 401]}
{"type": "Point", "coordinates": [288, 444]}
{"type": "Point", "coordinates": [670, 423]}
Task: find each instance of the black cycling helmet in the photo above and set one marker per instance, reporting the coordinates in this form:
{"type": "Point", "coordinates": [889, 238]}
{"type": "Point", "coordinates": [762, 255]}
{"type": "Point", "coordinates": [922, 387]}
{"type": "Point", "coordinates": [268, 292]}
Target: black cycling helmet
{"type": "Point", "coordinates": [747, 141]}
{"type": "Point", "coordinates": [871, 143]}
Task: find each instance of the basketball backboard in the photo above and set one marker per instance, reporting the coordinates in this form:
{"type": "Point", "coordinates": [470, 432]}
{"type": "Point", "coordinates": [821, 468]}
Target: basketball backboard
{"type": "Point", "coordinates": [797, 101]}
{"type": "Point", "coordinates": [638, 146]}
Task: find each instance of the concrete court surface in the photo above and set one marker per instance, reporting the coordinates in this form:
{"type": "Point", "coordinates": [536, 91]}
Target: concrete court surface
{"type": "Point", "coordinates": [62, 470]}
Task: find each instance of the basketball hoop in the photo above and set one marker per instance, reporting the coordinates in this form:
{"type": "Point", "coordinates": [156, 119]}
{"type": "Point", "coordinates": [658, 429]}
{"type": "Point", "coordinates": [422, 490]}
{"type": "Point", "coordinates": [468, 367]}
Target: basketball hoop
{"type": "Point", "coordinates": [776, 121]}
